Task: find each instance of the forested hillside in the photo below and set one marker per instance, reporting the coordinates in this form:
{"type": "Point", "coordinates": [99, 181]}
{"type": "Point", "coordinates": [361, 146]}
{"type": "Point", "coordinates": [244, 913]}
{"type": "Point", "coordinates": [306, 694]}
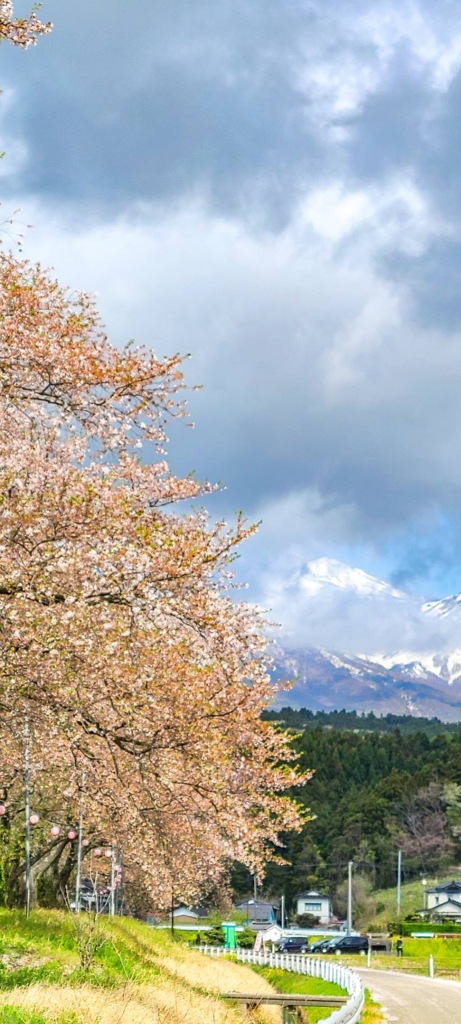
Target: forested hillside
{"type": "Point", "coordinates": [372, 793]}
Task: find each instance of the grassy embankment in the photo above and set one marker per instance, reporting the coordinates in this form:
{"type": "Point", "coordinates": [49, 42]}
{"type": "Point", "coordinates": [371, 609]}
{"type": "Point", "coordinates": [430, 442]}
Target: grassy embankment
{"type": "Point", "coordinates": [138, 976]}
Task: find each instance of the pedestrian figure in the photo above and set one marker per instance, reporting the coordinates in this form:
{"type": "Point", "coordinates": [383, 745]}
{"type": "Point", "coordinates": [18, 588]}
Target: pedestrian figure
{"type": "Point", "coordinates": [198, 939]}
{"type": "Point", "coordinates": [399, 947]}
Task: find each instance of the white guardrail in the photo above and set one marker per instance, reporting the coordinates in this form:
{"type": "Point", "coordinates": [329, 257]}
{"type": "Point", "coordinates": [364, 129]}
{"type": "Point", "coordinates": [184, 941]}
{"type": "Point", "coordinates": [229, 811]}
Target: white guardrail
{"type": "Point", "coordinates": [328, 970]}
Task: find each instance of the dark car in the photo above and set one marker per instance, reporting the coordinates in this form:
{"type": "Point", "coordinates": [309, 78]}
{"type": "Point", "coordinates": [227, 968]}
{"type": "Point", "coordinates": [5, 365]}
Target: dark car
{"type": "Point", "coordinates": [293, 944]}
{"type": "Point", "coordinates": [319, 945]}
{"type": "Point", "coordinates": [348, 944]}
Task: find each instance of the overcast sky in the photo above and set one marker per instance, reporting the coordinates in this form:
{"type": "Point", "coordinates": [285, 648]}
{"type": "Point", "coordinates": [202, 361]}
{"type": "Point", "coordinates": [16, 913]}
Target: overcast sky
{"type": "Point", "coordinates": [275, 188]}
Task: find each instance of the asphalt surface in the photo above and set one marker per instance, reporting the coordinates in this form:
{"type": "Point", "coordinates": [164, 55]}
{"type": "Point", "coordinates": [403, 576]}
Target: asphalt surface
{"type": "Point", "coordinates": [413, 999]}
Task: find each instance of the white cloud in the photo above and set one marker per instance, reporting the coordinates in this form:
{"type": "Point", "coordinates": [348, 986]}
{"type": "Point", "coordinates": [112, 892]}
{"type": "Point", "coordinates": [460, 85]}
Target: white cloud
{"type": "Point", "coordinates": [357, 51]}
{"type": "Point", "coordinates": [307, 353]}
{"type": "Point", "coordinates": [329, 407]}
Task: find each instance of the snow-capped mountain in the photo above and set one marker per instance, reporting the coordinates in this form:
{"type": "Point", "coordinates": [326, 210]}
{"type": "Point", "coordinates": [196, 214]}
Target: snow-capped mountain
{"type": "Point", "coordinates": [328, 572]}
{"type": "Point", "coordinates": [443, 666]}
{"type": "Point", "coordinates": [353, 641]}
{"type": "Point", "coordinates": [325, 681]}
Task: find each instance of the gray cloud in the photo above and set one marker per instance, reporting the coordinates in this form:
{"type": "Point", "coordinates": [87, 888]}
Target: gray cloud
{"type": "Point", "coordinates": [168, 98]}
{"type": "Point", "coordinates": [315, 374]}
{"type": "Point", "coordinates": [245, 102]}
{"type": "Point", "coordinates": [272, 187]}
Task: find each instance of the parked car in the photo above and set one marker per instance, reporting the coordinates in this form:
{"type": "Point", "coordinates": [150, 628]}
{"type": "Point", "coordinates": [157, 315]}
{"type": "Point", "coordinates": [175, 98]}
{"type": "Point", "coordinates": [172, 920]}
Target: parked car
{"type": "Point", "coordinates": [293, 944]}
{"type": "Point", "coordinates": [348, 944]}
{"type": "Point", "coordinates": [319, 945]}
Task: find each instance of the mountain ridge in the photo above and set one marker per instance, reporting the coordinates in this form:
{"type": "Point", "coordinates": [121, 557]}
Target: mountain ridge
{"type": "Point", "coordinates": [325, 680]}
{"type": "Point", "coordinates": [414, 678]}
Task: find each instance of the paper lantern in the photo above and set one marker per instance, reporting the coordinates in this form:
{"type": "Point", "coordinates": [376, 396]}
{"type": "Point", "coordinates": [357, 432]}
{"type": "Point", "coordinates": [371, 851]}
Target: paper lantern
{"type": "Point", "coordinates": [2, 809]}
{"type": "Point", "coordinates": [97, 852]}
{"type": "Point", "coordinates": [108, 853]}
{"type": "Point", "coordinates": [55, 831]}
{"type": "Point", "coordinates": [71, 834]}
{"type": "Point", "coordinates": [85, 842]}
{"type": "Point", "coordinates": [34, 819]}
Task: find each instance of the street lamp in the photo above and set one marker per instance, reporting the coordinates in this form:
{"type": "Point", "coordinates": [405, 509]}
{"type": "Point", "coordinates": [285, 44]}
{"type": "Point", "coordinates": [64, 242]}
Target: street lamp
{"type": "Point", "coordinates": [424, 883]}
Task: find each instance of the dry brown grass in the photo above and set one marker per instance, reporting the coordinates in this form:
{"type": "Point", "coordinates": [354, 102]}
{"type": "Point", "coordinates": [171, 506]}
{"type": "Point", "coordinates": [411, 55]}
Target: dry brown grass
{"type": "Point", "coordinates": [169, 1001]}
{"type": "Point", "coordinates": [166, 983]}
{"type": "Point", "coordinates": [213, 974]}
{"type": "Point", "coordinates": [181, 964]}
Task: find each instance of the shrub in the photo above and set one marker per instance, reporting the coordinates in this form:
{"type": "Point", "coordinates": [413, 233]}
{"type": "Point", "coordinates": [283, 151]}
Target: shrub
{"type": "Point", "coordinates": [307, 921]}
{"type": "Point", "coordinates": [246, 939]}
{"type": "Point", "coordinates": [214, 936]}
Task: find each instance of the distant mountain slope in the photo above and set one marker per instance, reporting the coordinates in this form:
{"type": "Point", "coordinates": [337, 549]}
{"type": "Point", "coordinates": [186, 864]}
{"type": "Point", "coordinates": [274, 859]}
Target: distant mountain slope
{"type": "Point", "coordinates": [325, 680]}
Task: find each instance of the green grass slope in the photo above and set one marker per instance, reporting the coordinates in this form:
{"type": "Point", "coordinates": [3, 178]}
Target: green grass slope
{"type": "Point", "coordinates": [412, 897]}
{"type": "Point", "coordinates": [137, 975]}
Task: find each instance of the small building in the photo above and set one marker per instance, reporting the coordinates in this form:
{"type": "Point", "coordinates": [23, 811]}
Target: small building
{"type": "Point", "coordinates": [189, 915]}
{"type": "Point", "coordinates": [259, 913]}
{"type": "Point", "coordinates": [444, 900]}
{"type": "Point", "coordinates": [316, 903]}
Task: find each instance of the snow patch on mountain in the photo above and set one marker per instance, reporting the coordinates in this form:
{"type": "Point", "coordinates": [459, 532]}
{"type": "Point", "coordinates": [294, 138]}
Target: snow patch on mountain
{"type": "Point", "coordinates": [443, 666]}
{"type": "Point", "coordinates": [441, 609]}
{"type": "Point", "coordinates": [328, 572]}
{"type": "Point", "coordinates": [327, 680]}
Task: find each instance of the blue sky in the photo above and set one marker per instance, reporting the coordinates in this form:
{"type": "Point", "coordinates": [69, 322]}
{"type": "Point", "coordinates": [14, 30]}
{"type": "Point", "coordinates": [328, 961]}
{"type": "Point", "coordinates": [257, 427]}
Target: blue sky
{"type": "Point", "coordinates": [273, 187]}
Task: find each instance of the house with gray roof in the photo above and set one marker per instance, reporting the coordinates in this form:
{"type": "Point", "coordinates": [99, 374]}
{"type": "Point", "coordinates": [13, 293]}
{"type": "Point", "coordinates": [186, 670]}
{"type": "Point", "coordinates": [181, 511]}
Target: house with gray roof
{"type": "Point", "coordinates": [444, 901]}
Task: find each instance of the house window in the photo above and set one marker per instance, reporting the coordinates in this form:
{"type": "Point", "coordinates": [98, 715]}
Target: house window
{"type": "Point", "coordinates": [312, 908]}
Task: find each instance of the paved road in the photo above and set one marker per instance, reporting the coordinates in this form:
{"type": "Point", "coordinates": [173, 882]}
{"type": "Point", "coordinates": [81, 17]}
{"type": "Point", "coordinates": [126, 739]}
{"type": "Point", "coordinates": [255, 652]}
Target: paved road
{"type": "Point", "coordinates": [413, 999]}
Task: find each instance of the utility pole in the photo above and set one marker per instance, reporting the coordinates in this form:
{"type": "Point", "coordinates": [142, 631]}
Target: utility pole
{"type": "Point", "coordinates": [255, 887]}
{"type": "Point", "coordinates": [27, 812]}
{"type": "Point", "coordinates": [282, 912]}
{"type": "Point", "coordinates": [172, 913]}
{"type": "Point", "coordinates": [399, 880]}
{"type": "Point", "coordinates": [112, 883]}
{"type": "Point", "coordinates": [78, 882]}
{"type": "Point", "coordinates": [349, 896]}
{"type": "Point", "coordinates": [424, 883]}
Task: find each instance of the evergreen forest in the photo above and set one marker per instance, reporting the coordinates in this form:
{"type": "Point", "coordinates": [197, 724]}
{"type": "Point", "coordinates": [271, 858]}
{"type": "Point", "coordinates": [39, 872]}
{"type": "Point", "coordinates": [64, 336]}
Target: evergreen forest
{"type": "Point", "coordinates": [378, 786]}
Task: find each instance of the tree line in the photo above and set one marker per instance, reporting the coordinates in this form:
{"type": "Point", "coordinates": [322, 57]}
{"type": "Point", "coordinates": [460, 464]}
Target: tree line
{"type": "Point", "coordinates": [372, 793]}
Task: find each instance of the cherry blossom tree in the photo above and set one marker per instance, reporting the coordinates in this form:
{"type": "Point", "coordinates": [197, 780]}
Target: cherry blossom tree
{"type": "Point", "coordinates": [122, 642]}
{"type": "Point", "coordinates": [21, 32]}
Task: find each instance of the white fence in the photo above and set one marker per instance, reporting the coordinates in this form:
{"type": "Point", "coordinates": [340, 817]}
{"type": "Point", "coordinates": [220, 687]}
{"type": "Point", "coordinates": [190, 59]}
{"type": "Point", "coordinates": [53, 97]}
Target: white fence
{"type": "Point", "coordinates": [328, 970]}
